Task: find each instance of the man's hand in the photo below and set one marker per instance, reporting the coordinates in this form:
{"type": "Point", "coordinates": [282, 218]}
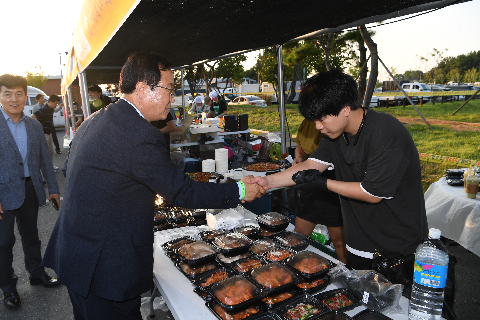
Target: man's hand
{"type": "Point", "coordinates": [55, 196]}
{"type": "Point", "coordinates": [261, 181]}
{"type": "Point", "coordinates": [252, 192]}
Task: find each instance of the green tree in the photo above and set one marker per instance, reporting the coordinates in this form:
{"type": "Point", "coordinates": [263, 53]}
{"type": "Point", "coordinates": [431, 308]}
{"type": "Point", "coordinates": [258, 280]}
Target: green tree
{"type": "Point", "coordinates": [431, 61]}
{"type": "Point", "coordinates": [36, 78]}
{"type": "Point", "coordinates": [471, 75]}
{"type": "Point", "coordinates": [454, 75]}
{"type": "Point", "coordinates": [231, 68]}
{"type": "Point", "coordinates": [193, 75]}
{"type": "Point", "coordinates": [439, 76]}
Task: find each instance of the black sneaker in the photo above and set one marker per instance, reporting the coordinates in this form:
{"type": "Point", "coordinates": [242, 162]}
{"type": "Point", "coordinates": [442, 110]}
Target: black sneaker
{"type": "Point", "coordinates": [58, 151]}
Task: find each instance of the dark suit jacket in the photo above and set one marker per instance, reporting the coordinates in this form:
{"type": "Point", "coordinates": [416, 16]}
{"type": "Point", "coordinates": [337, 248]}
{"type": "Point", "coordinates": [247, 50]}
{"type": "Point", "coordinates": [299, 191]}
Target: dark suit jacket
{"type": "Point", "coordinates": [12, 187]}
{"type": "Point", "coordinates": [117, 164]}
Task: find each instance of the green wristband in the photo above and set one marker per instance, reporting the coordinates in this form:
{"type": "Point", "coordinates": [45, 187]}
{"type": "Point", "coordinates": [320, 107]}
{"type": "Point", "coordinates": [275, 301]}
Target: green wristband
{"type": "Point", "coordinates": [242, 185]}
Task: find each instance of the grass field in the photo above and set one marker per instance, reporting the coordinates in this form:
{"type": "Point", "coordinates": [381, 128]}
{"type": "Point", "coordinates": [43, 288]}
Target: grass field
{"type": "Point", "coordinates": [439, 140]}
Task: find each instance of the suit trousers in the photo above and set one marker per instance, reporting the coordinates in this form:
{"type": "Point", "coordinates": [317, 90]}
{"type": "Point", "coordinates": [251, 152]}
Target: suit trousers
{"type": "Point", "coordinates": [96, 308]}
{"type": "Point", "coordinates": [26, 217]}
{"type": "Point", "coordinates": [55, 139]}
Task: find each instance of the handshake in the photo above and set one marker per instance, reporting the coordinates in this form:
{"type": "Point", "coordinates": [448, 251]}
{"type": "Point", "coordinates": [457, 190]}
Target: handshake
{"type": "Point", "coordinates": [254, 188]}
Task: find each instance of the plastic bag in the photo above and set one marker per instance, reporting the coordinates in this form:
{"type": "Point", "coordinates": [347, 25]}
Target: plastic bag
{"type": "Point", "coordinates": [375, 291]}
{"type": "Point", "coordinates": [226, 219]}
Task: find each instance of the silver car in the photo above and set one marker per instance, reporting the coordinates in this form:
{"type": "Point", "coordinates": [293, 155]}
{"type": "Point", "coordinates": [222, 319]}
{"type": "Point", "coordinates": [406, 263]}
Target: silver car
{"type": "Point", "coordinates": [251, 100]}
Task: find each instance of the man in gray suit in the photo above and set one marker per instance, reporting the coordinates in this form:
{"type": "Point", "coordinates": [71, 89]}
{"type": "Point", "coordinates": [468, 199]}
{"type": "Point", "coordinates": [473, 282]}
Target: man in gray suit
{"type": "Point", "coordinates": [23, 154]}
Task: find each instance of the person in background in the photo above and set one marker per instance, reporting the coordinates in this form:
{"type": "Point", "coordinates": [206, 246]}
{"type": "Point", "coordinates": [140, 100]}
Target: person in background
{"type": "Point", "coordinates": [377, 168]}
{"type": "Point", "coordinates": [97, 100]}
{"type": "Point", "coordinates": [45, 117]}
{"type": "Point", "coordinates": [219, 105]}
{"type": "Point", "coordinates": [198, 106]}
{"type": "Point", "coordinates": [24, 156]}
{"type": "Point", "coordinates": [209, 107]}
{"type": "Point", "coordinates": [40, 98]}
{"type": "Point", "coordinates": [314, 207]}
{"type": "Point", "coordinates": [166, 126]}
{"type": "Point", "coordinates": [101, 245]}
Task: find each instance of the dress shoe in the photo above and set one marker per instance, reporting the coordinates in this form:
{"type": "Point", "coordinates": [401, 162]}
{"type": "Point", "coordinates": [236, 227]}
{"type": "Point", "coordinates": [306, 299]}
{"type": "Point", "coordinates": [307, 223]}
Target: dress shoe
{"type": "Point", "coordinates": [11, 299]}
{"type": "Point", "coordinates": [46, 281]}
{"type": "Point", "coordinates": [58, 151]}
{"type": "Point", "coordinates": [55, 168]}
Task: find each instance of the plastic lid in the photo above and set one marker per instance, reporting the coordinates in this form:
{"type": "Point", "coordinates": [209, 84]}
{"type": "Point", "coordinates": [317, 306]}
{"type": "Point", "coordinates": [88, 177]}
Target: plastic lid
{"type": "Point", "coordinates": [434, 233]}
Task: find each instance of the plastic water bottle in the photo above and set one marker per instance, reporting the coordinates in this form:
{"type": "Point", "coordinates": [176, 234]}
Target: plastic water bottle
{"type": "Point", "coordinates": [429, 279]}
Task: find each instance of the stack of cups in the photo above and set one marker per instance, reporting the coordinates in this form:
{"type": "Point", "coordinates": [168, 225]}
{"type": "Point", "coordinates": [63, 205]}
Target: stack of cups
{"type": "Point", "coordinates": [221, 160]}
{"type": "Point", "coordinates": [208, 165]}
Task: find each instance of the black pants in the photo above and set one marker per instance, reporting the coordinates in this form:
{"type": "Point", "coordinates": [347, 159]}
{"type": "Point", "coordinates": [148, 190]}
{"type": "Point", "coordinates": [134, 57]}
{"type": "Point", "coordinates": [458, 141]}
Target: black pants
{"type": "Point", "coordinates": [96, 308]}
{"type": "Point", "coordinates": [26, 217]}
{"type": "Point", "coordinates": [54, 138]}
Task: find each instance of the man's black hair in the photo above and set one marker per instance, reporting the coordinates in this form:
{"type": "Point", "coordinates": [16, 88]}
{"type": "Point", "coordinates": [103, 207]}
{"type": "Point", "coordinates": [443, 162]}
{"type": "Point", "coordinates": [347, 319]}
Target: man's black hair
{"type": "Point", "coordinates": [326, 93]}
{"type": "Point", "coordinates": [54, 98]}
{"type": "Point", "coordinates": [38, 96]}
{"type": "Point", "coordinates": [142, 67]}
{"type": "Point", "coordinates": [10, 81]}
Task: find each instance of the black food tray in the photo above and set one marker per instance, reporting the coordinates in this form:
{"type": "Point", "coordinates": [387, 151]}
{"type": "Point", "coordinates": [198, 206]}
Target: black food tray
{"type": "Point", "coordinates": [199, 261]}
{"type": "Point", "coordinates": [271, 254]}
{"type": "Point", "coordinates": [332, 293]}
{"type": "Point", "coordinates": [266, 290]}
{"type": "Point", "coordinates": [249, 231]}
{"type": "Point", "coordinates": [245, 164]}
{"type": "Point", "coordinates": [301, 244]}
{"type": "Point", "coordinates": [301, 299]}
{"type": "Point", "coordinates": [269, 306]}
{"type": "Point", "coordinates": [319, 287]}
{"type": "Point", "coordinates": [261, 246]}
{"type": "Point", "coordinates": [236, 265]}
{"type": "Point", "coordinates": [370, 314]}
{"type": "Point", "coordinates": [293, 261]}
{"type": "Point", "coordinates": [256, 293]}
{"type": "Point", "coordinates": [223, 260]}
{"type": "Point", "coordinates": [167, 246]}
{"type": "Point", "coordinates": [265, 316]}
{"type": "Point", "coordinates": [211, 306]}
{"type": "Point", "coordinates": [197, 282]}
{"type": "Point", "coordinates": [209, 235]}
{"type": "Point", "coordinates": [202, 294]}
{"type": "Point", "coordinates": [232, 251]}
{"type": "Point", "coordinates": [192, 277]}
{"type": "Point", "coordinates": [267, 234]}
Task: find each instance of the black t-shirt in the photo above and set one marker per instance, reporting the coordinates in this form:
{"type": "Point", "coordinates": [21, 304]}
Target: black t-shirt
{"type": "Point", "coordinates": [45, 117]}
{"type": "Point", "coordinates": [159, 124]}
{"type": "Point", "coordinates": [386, 163]}
{"type": "Point", "coordinates": [220, 107]}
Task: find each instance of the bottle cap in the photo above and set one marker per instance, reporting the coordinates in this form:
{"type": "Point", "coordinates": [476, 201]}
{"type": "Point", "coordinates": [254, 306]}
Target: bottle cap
{"type": "Point", "coordinates": [434, 233]}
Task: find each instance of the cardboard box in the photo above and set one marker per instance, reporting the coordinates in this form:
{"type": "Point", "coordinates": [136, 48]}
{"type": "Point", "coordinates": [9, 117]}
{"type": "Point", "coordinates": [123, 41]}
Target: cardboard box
{"type": "Point", "coordinates": [180, 132]}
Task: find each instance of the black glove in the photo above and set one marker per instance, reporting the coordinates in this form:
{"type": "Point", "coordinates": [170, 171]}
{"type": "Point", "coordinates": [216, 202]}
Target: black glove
{"type": "Point", "coordinates": [309, 179]}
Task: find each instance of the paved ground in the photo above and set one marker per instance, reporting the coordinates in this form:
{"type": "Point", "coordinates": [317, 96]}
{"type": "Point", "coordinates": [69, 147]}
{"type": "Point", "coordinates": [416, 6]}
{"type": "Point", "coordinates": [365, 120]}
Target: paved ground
{"type": "Point", "coordinates": [39, 303]}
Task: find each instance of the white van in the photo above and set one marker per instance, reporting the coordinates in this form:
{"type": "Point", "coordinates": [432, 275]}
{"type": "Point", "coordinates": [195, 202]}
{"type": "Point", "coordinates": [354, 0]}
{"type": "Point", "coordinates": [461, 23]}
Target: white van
{"type": "Point", "coordinates": [417, 87]}
{"type": "Point", "coordinates": [58, 119]}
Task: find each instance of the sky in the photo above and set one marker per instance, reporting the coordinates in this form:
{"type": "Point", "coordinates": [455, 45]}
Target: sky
{"type": "Point", "coordinates": [38, 33]}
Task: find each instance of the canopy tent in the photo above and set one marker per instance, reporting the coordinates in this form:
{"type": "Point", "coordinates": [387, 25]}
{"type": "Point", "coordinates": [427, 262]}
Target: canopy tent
{"type": "Point", "coordinates": [192, 31]}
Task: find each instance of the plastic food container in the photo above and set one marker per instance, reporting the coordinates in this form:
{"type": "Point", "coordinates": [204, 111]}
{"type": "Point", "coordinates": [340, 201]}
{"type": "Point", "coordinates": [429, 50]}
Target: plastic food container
{"type": "Point", "coordinates": [279, 254]}
{"type": "Point", "coordinates": [245, 265]}
{"type": "Point", "coordinates": [178, 216]}
{"type": "Point", "coordinates": [175, 244]}
{"type": "Point", "coordinates": [309, 264]}
{"type": "Point", "coordinates": [159, 217]}
{"type": "Point", "coordinates": [196, 253]}
{"type": "Point", "coordinates": [232, 243]}
{"type": "Point", "coordinates": [338, 299]}
{"type": "Point", "coordinates": [273, 221]}
{"type": "Point", "coordinates": [235, 293]}
{"type": "Point", "coordinates": [209, 235]}
{"type": "Point", "coordinates": [249, 231]}
{"type": "Point", "coordinates": [264, 245]}
{"type": "Point", "coordinates": [273, 277]}
{"type": "Point", "coordinates": [163, 226]}
{"type": "Point", "coordinates": [313, 286]}
{"type": "Point", "coordinates": [302, 305]}
{"type": "Point", "coordinates": [199, 214]}
{"type": "Point", "coordinates": [293, 240]}
{"type": "Point", "coordinates": [275, 300]}
{"type": "Point", "coordinates": [223, 314]}
{"type": "Point", "coordinates": [227, 261]}
{"type": "Point", "coordinates": [369, 314]}
{"type": "Point", "coordinates": [191, 272]}
{"type": "Point", "coordinates": [210, 277]}
{"type": "Point", "coordinates": [332, 315]}
{"type": "Point", "coordinates": [202, 294]}
{"type": "Point", "coordinates": [266, 234]}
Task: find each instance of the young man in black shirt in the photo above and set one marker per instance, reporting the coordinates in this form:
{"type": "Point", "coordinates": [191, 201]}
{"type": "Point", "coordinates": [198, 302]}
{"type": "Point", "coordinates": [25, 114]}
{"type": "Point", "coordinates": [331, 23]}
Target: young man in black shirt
{"type": "Point", "coordinates": [377, 167]}
{"type": "Point", "coordinates": [45, 117]}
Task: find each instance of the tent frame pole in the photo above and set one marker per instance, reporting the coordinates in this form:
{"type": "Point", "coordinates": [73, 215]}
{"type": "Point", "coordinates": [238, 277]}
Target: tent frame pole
{"type": "Point", "coordinates": [281, 98]}
{"type": "Point", "coordinates": [82, 81]}
{"type": "Point", "coordinates": [72, 113]}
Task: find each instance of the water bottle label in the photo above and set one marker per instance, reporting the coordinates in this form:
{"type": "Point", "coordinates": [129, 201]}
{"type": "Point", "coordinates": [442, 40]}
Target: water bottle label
{"type": "Point", "coordinates": [430, 275]}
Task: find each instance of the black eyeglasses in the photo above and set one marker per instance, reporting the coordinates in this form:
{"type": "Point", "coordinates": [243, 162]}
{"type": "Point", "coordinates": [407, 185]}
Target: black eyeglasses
{"type": "Point", "coordinates": [172, 92]}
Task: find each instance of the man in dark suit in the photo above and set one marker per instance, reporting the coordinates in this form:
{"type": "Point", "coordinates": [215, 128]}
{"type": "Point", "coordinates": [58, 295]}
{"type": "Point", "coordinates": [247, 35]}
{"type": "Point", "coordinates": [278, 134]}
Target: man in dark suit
{"type": "Point", "coordinates": [23, 154]}
{"type": "Point", "coordinates": [102, 243]}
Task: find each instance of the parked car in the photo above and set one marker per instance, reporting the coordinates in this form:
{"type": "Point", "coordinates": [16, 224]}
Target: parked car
{"type": "Point", "coordinates": [251, 100]}
{"type": "Point", "coordinates": [58, 119]}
